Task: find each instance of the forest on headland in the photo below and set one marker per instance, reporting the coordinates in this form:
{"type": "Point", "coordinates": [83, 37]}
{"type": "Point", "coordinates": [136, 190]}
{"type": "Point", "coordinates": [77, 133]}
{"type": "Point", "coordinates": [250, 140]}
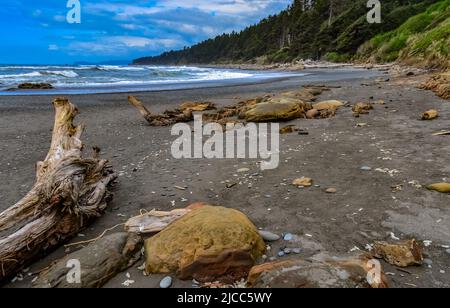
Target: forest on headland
{"type": "Point", "coordinates": [413, 31]}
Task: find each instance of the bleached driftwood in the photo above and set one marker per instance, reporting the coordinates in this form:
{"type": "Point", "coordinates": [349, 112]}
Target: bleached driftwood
{"type": "Point", "coordinates": [154, 221]}
{"type": "Point", "coordinates": [70, 191]}
{"type": "Point", "coordinates": [99, 262]}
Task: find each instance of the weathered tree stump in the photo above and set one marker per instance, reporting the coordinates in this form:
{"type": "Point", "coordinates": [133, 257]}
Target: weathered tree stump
{"type": "Point", "coordinates": [70, 191]}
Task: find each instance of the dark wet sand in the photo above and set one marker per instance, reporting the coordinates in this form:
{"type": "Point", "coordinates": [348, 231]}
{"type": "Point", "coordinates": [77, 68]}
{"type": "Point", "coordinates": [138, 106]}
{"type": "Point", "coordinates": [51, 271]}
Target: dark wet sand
{"type": "Point", "coordinates": [363, 210]}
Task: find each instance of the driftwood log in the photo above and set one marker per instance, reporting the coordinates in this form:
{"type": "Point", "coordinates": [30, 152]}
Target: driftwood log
{"type": "Point", "coordinates": [99, 262]}
{"type": "Point", "coordinates": [70, 191]}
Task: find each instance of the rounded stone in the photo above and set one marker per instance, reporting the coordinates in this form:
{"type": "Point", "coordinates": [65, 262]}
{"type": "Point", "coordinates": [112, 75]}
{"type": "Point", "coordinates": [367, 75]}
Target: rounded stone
{"type": "Point", "coordinates": [281, 254]}
{"type": "Point", "coordinates": [166, 282]}
{"type": "Point", "coordinates": [288, 237]}
{"type": "Point", "coordinates": [331, 190]}
{"type": "Point", "coordinates": [428, 261]}
{"type": "Point", "coordinates": [366, 168]}
{"type": "Point", "coordinates": [269, 236]}
{"type": "Point", "coordinates": [296, 251]}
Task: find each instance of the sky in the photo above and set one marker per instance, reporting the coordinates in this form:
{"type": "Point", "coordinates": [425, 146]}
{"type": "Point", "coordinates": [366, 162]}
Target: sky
{"type": "Point", "coordinates": [37, 31]}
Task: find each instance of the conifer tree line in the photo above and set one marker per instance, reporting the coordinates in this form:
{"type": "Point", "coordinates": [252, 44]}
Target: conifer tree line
{"type": "Point", "coordinates": [307, 29]}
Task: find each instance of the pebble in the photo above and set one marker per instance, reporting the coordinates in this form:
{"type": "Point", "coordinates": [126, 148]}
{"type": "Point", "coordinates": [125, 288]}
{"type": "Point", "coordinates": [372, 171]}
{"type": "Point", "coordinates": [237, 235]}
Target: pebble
{"type": "Point", "coordinates": [166, 282]}
{"type": "Point", "coordinates": [242, 170]}
{"type": "Point", "coordinates": [428, 261]}
{"type": "Point", "coordinates": [287, 251]}
{"type": "Point", "coordinates": [448, 251]}
{"type": "Point", "coordinates": [281, 254]}
{"type": "Point", "coordinates": [296, 251]}
{"type": "Point", "coordinates": [288, 237]}
{"type": "Point", "coordinates": [269, 236]}
{"type": "Point", "coordinates": [331, 190]}
{"type": "Point", "coordinates": [366, 168]}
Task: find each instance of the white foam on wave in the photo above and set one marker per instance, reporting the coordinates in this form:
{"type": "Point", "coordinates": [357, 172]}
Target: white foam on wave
{"type": "Point", "coordinates": [33, 74]}
{"type": "Point", "coordinates": [210, 76]}
{"type": "Point", "coordinates": [119, 68]}
{"type": "Point", "coordinates": [67, 74]}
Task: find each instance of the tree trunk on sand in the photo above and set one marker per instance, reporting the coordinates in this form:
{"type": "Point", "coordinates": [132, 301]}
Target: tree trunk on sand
{"type": "Point", "coordinates": [166, 119]}
{"type": "Point", "coordinates": [70, 191]}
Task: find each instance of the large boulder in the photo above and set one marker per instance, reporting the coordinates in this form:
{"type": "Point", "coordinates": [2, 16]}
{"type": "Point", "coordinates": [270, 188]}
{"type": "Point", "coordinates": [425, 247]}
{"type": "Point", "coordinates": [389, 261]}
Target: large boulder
{"type": "Point", "coordinates": [277, 109]}
{"type": "Point", "coordinates": [210, 243]}
{"type": "Point", "coordinates": [345, 273]}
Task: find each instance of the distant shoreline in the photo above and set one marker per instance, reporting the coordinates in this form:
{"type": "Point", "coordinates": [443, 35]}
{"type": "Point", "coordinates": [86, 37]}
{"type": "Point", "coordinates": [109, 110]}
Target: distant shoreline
{"type": "Point", "coordinates": [265, 76]}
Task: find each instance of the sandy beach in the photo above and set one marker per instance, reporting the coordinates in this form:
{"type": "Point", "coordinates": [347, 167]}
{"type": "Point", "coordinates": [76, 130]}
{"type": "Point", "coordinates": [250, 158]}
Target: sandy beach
{"type": "Point", "coordinates": [368, 206]}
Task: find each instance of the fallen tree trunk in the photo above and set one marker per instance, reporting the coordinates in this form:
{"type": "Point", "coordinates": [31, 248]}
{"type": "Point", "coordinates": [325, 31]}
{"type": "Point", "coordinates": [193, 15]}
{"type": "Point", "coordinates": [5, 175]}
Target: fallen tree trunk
{"type": "Point", "coordinates": [99, 262]}
{"type": "Point", "coordinates": [70, 191]}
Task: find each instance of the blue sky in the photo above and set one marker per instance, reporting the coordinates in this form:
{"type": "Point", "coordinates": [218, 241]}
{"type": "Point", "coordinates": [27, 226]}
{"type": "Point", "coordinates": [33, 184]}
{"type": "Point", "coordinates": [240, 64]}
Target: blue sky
{"type": "Point", "coordinates": [37, 32]}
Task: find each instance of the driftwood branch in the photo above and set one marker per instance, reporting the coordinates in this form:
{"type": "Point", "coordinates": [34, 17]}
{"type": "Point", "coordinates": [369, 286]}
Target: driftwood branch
{"type": "Point", "coordinates": [70, 191]}
{"type": "Point", "coordinates": [169, 117]}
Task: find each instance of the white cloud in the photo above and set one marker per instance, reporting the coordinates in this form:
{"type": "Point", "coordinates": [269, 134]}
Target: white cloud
{"type": "Point", "coordinates": [53, 47]}
{"type": "Point", "coordinates": [59, 18]}
{"type": "Point", "coordinates": [121, 45]}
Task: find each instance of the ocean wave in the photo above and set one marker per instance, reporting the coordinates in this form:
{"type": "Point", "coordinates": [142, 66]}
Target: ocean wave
{"type": "Point", "coordinates": [33, 74]}
{"type": "Point", "coordinates": [67, 74]}
{"type": "Point", "coordinates": [119, 68]}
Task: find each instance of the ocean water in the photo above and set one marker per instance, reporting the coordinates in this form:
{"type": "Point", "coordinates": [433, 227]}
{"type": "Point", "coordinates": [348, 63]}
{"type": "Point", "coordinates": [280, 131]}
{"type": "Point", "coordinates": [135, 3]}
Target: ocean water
{"type": "Point", "coordinates": [112, 78]}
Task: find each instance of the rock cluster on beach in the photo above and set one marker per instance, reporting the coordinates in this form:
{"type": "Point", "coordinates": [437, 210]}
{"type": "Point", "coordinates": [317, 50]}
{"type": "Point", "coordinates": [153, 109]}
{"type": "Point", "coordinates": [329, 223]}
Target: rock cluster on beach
{"type": "Point", "coordinates": [35, 86]}
{"type": "Point", "coordinates": [271, 108]}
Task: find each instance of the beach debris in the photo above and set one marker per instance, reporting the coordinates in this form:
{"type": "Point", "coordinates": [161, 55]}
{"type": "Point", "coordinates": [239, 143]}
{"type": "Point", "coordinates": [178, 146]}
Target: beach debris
{"type": "Point", "coordinates": [35, 86]}
{"type": "Point", "coordinates": [243, 170]}
{"type": "Point", "coordinates": [166, 282]}
{"type": "Point", "coordinates": [100, 261]}
{"type": "Point", "coordinates": [169, 117]}
{"type": "Point", "coordinates": [269, 236]}
{"type": "Point", "coordinates": [198, 106]}
{"type": "Point", "coordinates": [219, 253]}
{"type": "Point", "coordinates": [401, 254]}
{"type": "Point", "coordinates": [442, 133]}
{"type": "Point", "coordinates": [70, 192]}
{"type": "Point", "coordinates": [362, 108]}
{"type": "Point", "coordinates": [333, 273]}
{"type": "Point", "coordinates": [440, 187]}
{"type": "Point", "coordinates": [390, 172]}
{"type": "Point", "coordinates": [331, 190]}
{"type": "Point", "coordinates": [128, 282]}
{"type": "Point", "coordinates": [440, 84]}
{"type": "Point", "coordinates": [430, 115]}
{"type": "Point", "coordinates": [288, 129]}
{"type": "Point", "coordinates": [153, 221]}
{"type": "Point", "coordinates": [231, 185]}
{"type": "Point", "coordinates": [303, 182]}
